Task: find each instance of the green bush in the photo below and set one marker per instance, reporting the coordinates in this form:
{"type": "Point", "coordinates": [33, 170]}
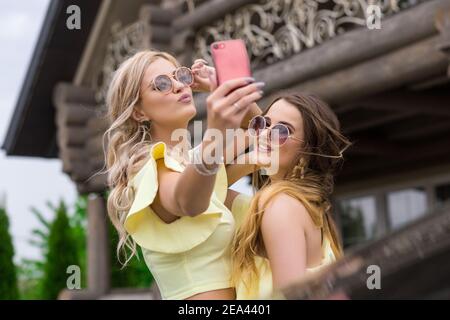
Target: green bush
{"type": "Point", "coordinates": [61, 253]}
{"type": "Point", "coordinates": [135, 274]}
{"type": "Point", "coordinates": [45, 277]}
{"type": "Point", "coordinates": [8, 276]}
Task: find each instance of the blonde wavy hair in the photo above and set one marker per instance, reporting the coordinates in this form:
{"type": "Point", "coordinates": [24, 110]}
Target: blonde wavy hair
{"type": "Point", "coordinates": [310, 181]}
{"type": "Point", "coordinates": [126, 142]}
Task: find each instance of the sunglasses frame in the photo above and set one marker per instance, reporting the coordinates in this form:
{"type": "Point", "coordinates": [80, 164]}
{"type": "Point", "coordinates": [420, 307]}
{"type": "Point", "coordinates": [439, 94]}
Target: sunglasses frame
{"type": "Point", "coordinates": [290, 136]}
{"type": "Point", "coordinates": [340, 156]}
{"type": "Point", "coordinates": [172, 76]}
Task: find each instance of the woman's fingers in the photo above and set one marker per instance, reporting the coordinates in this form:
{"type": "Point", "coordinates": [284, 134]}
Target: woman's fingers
{"type": "Point", "coordinates": [200, 61]}
{"type": "Point", "coordinates": [212, 79]}
{"type": "Point", "coordinates": [204, 78]}
{"type": "Point", "coordinates": [242, 92]}
{"type": "Point", "coordinates": [239, 98]}
{"type": "Point", "coordinates": [204, 71]}
{"type": "Point", "coordinates": [240, 108]}
{"type": "Point", "coordinates": [247, 100]}
{"type": "Point", "coordinates": [199, 66]}
{"type": "Point", "coordinates": [230, 85]}
{"type": "Point", "coordinates": [227, 112]}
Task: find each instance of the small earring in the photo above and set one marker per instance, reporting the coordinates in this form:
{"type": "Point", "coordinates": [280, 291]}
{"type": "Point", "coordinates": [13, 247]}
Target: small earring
{"type": "Point", "coordinates": [146, 123]}
{"type": "Point", "coordinates": [302, 168]}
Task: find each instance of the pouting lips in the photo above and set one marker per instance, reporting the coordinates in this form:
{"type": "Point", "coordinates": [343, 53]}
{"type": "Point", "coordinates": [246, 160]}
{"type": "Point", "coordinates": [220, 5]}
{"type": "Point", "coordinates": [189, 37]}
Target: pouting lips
{"type": "Point", "coordinates": [264, 148]}
{"type": "Point", "coordinates": [185, 97]}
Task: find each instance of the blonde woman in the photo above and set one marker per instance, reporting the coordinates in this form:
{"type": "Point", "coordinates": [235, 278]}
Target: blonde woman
{"type": "Point", "coordinates": [287, 230]}
{"type": "Point", "coordinates": [169, 205]}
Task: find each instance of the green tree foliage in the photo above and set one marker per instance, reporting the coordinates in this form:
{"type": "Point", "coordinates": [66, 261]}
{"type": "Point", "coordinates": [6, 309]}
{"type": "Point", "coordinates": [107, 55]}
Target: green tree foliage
{"type": "Point", "coordinates": [8, 277]}
{"type": "Point", "coordinates": [31, 271]}
{"type": "Point", "coordinates": [42, 278]}
{"type": "Point", "coordinates": [61, 253]}
{"type": "Point", "coordinates": [134, 274]}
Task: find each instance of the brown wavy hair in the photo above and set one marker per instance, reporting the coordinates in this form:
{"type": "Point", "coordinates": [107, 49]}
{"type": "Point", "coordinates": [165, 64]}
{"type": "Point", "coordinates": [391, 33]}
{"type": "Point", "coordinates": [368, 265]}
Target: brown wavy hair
{"type": "Point", "coordinates": [320, 158]}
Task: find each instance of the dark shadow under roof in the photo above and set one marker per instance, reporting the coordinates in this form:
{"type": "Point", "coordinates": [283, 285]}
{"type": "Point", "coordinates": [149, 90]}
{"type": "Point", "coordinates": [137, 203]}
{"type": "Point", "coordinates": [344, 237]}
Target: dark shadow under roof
{"type": "Point", "coordinates": [32, 130]}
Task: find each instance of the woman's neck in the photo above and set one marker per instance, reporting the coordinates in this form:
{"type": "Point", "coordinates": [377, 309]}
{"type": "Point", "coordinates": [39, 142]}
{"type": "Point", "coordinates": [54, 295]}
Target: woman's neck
{"type": "Point", "coordinates": [172, 137]}
{"type": "Point", "coordinates": [280, 175]}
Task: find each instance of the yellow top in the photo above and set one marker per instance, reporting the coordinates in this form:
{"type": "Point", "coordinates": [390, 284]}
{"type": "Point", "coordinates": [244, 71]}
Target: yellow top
{"type": "Point", "coordinates": [264, 289]}
{"type": "Point", "coordinates": [192, 254]}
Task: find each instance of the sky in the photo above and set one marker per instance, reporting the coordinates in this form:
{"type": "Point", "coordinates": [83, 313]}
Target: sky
{"type": "Point", "coordinates": [28, 182]}
{"type": "Point", "coordinates": [25, 182]}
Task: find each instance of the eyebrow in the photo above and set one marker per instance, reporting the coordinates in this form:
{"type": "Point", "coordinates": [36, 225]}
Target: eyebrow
{"type": "Point", "coordinates": [291, 127]}
{"type": "Point", "coordinates": [288, 124]}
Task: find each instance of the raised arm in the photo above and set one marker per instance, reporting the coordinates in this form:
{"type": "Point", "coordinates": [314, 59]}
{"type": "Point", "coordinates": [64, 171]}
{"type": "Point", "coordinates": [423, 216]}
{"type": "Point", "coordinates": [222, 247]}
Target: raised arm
{"type": "Point", "coordinates": [205, 81]}
{"type": "Point", "coordinates": [188, 193]}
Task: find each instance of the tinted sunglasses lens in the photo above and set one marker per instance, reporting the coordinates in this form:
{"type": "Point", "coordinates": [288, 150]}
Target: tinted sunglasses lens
{"type": "Point", "coordinates": [163, 83]}
{"type": "Point", "coordinates": [184, 75]}
{"type": "Point", "coordinates": [279, 134]}
{"type": "Point", "coordinates": [257, 124]}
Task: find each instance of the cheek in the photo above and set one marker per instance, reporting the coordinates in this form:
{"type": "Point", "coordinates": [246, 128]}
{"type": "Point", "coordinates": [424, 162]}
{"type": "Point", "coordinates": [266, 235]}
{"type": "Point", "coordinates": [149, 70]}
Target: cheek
{"type": "Point", "coordinates": [288, 154]}
{"type": "Point", "coordinates": [154, 104]}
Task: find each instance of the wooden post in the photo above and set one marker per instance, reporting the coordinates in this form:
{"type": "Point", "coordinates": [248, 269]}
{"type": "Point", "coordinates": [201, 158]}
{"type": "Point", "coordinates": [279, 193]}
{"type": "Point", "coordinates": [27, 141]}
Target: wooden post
{"type": "Point", "coordinates": [98, 246]}
{"type": "Point", "coordinates": [99, 274]}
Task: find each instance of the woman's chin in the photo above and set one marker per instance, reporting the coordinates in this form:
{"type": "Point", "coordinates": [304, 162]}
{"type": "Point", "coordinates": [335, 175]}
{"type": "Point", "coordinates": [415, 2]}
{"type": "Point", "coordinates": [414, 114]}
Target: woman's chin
{"type": "Point", "coordinates": [263, 158]}
{"type": "Point", "coordinates": [268, 160]}
{"type": "Point", "coordinates": [191, 109]}
{"type": "Point", "coordinates": [188, 111]}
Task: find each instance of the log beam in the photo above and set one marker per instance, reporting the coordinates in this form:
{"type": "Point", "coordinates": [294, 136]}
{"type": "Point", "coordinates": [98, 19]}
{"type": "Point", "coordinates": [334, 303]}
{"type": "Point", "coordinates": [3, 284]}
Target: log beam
{"type": "Point", "coordinates": [338, 70]}
{"type": "Point", "coordinates": [430, 102]}
{"type": "Point", "coordinates": [407, 65]}
{"type": "Point", "coordinates": [207, 13]}
{"type": "Point", "coordinates": [353, 47]}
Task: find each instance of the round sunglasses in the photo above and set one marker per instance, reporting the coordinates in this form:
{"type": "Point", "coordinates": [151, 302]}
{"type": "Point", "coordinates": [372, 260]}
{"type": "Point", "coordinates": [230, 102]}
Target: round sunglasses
{"type": "Point", "coordinates": [282, 132]}
{"type": "Point", "coordinates": [163, 83]}
{"type": "Point", "coordinates": [259, 123]}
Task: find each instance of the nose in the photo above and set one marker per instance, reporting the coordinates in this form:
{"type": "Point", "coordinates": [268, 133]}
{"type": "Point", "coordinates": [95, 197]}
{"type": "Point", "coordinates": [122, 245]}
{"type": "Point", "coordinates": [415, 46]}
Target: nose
{"type": "Point", "coordinates": [264, 136]}
{"type": "Point", "coordinates": [177, 86]}
{"type": "Point", "coordinates": [264, 132]}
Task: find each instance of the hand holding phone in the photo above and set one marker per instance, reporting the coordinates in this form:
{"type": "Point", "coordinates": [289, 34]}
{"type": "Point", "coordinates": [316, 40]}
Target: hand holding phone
{"type": "Point", "coordinates": [237, 90]}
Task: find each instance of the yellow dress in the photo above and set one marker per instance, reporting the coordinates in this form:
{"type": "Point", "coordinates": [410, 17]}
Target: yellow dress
{"type": "Point", "coordinates": [192, 254]}
{"type": "Point", "coordinates": [264, 288]}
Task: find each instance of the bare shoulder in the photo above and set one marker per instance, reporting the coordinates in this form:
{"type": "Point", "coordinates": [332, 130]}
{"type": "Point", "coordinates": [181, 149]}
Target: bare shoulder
{"type": "Point", "coordinates": [284, 209]}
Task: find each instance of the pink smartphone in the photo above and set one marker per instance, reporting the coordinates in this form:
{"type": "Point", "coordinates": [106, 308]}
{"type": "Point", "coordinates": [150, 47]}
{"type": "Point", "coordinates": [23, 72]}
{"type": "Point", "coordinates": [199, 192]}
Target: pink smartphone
{"type": "Point", "coordinates": [230, 59]}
